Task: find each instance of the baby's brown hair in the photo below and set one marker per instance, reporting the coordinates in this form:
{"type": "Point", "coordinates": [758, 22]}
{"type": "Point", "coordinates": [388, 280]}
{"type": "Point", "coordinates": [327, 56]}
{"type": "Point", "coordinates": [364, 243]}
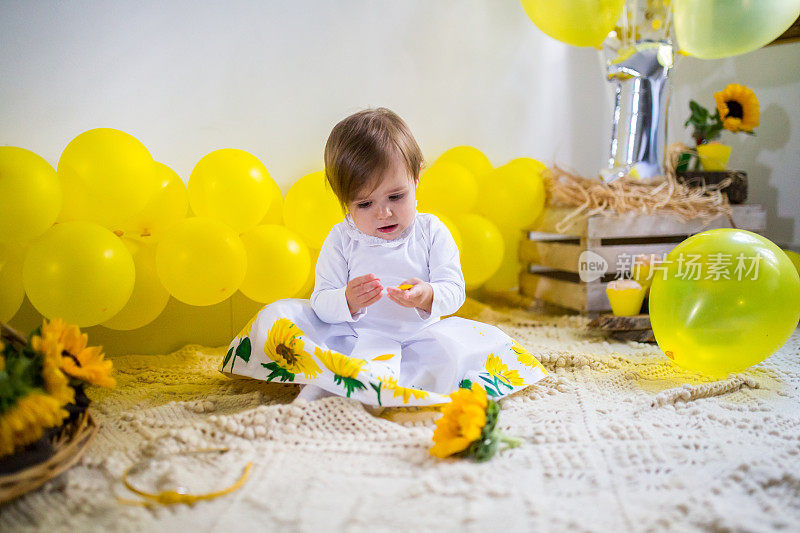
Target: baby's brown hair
{"type": "Point", "coordinates": [362, 146]}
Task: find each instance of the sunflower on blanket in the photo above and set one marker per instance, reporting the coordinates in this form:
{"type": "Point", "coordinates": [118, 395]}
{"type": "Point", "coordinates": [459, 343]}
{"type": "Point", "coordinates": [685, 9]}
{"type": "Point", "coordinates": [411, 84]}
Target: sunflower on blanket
{"type": "Point", "coordinates": [467, 427]}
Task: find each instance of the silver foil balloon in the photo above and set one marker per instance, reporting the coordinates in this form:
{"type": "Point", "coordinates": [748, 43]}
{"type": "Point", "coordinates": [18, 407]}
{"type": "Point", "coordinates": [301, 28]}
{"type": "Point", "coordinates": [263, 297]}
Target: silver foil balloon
{"type": "Point", "coordinates": [640, 74]}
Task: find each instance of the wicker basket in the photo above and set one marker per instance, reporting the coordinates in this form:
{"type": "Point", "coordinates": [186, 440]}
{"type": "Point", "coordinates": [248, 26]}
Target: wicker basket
{"type": "Point", "coordinates": [68, 446]}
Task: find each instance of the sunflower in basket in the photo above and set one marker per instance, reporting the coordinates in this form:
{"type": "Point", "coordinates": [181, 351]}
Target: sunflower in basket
{"type": "Point", "coordinates": [42, 381]}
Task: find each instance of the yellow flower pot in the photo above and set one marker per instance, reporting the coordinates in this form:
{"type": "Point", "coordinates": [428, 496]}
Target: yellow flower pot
{"type": "Point", "coordinates": [626, 297]}
{"type": "Point", "coordinates": [714, 156]}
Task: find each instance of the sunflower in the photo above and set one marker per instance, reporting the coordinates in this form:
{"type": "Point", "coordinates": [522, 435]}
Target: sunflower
{"type": "Point", "coordinates": [738, 108]}
{"type": "Point", "coordinates": [26, 421]}
{"type": "Point", "coordinates": [285, 348]}
{"type": "Point", "coordinates": [524, 357]}
{"type": "Point", "coordinates": [461, 423]}
{"type": "Point", "coordinates": [345, 369]}
{"type": "Point", "coordinates": [406, 392]}
{"type": "Point", "coordinates": [56, 382]}
{"type": "Point", "coordinates": [75, 358]}
{"type": "Point", "coordinates": [497, 369]}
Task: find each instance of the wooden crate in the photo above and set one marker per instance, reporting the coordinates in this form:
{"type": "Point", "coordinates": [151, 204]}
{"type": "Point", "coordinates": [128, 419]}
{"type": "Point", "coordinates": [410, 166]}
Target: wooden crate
{"type": "Point", "coordinates": [552, 256]}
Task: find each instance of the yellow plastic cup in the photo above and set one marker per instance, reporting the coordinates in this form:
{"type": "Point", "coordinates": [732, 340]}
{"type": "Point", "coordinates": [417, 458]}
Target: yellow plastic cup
{"type": "Point", "coordinates": [714, 156]}
{"type": "Point", "coordinates": [626, 297]}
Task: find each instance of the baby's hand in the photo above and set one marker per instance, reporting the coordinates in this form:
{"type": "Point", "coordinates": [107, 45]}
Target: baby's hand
{"type": "Point", "coordinates": [419, 294]}
{"type": "Point", "coordinates": [362, 291]}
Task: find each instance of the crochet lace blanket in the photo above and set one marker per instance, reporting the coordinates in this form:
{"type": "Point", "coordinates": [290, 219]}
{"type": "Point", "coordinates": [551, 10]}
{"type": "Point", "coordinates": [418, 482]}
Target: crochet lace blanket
{"type": "Point", "coordinates": [615, 439]}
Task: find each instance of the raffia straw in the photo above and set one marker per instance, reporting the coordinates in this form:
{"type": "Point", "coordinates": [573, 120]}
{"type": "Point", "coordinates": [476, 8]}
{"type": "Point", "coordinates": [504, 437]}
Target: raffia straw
{"type": "Point", "coordinates": [663, 194]}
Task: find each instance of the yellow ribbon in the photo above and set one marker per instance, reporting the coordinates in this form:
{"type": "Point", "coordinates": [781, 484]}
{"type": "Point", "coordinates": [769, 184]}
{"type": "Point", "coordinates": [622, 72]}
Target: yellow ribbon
{"type": "Point", "coordinates": [171, 497]}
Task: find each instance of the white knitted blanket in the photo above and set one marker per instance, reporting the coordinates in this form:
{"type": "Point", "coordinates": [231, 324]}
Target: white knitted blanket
{"type": "Point", "coordinates": [615, 439]}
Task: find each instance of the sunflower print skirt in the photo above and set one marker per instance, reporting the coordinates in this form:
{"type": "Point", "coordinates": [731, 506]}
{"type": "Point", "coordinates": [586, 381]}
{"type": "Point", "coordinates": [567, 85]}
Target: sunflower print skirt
{"type": "Point", "coordinates": [286, 342]}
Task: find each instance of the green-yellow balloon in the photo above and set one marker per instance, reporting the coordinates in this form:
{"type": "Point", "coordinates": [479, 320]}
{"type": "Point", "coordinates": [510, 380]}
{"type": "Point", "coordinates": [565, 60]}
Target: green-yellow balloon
{"type": "Point", "coordinates": [711, 29]}
{"type": "Point", "coordinates": [575, 22]}
{"type": "Point", "coordinates": [482, 249]}
{"type": "Point", "coordinates": [12, 291]}
{"type": "Point", "coordinates": [107, 177]}
{"type": "Point", "coordinates": [513, 195]}
{"type": "Point", "coordinates": [30, 195]}
{"type": "Point", "coordinates": [149, 297]}
{"type": "Point", "coordinates": [447, 188]}
{"type": "Point", "coordinates": [231, 186]}
{"type": "Point", "coordinates": [168, 206]}
{"type": "Point", "coordinates": [311, 209]}
{"type": "Point", "coordinates": [278, 262]}
{"type": "Point", "coordinates": [80, 272]}
{"type": "Point", "coordinates": [201, 261]}
{"type": "Point", "coordinates": [468, 157]}
{"type": "Point", "coordinates": [717, 326]}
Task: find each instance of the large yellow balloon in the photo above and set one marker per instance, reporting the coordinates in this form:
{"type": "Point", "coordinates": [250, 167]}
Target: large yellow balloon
{"type": "Point", "coordinates": [12, 291]}
{"type": "Point", "coordinates": [468, 157]}
{"type": "Point", "coordinates": [481, 251]}
{"type": "Point", "coordinates": [507, 275]}
{"type": "Point", "coordinates": [277, 263]}
{"type": "Point", "coordinates": [231, 186]}
{"type": "Point", "coordinates": [513, 195]}
{"type": "Point", "coordinates": [201, 261]}
{"type": "Point", "coordinates": [454, 231]}
{"type": "Point", "coordinates": [168, 206]}
{"type": "Point", "coordinates": [575, 22]}
{"type": "Point", "coordinates": [149, 297]}
{"type": "Point", "coordinates": [710, 29]}
{"type": "Point", "coordinates": [311, 209]}
{"type": "Point", "coordinates": [715, 325]}
{"type": "Point", "coordinates": [275, 213]}
{"type": "Point", "coordinates": [30, 195]}
{"type": "Point", "coordinates": [80, 272]}
{"type": "Point", "coordinates": [447, 188]}
{"type": "Point", "coordinates": [107, 177]}
{"type": "Point", "coordinates": [308, 286]}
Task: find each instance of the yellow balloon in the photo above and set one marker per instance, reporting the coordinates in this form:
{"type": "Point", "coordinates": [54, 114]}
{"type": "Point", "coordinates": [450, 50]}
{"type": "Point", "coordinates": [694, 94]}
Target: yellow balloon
{"type": "Point", "coordinates": [275, 213]}
{"type": "Point", "coordinates": [468, 157]}
{"type": "Point", "coordinates": [716, 326]}
{"type": "Point", "coordinates": [277, 263]}
{"type": "Point", "coordinates": [454, 231]}
{"type": "Point", "coordinates": [710, 29]}
{"type": "Point", "coordinates": [575, 22]}
{"type": "Point", "coordinates": [513, 195]}
{"type": "Point", "coordinates": [507, 276]}
{"type": "Point", "coordinates": [447, 188]}
{"type": "Point", "coordinates": [12, 291]}
{"type": "Point", "coordinates": [201, 261]}
{"type": "Point", "coordinates": [168, 206]}
{"type": "Point", "coordinates": [311, 209]}
{"type": "Point", "coordinates": [149, 297]}
{"type": "Point", "coordinates": [308, 286]}
{"type": "Point", "coordinates": [794, 257]}
{"type": "Point", "coordinates": [30, 195]}
{"type": "Point", "coordinates": [107, 177]}
{"type": "Point", "coordinates": [231, 186]}
{"type": "Point", "coordinates": [79, 272]}
{"type": "Point", "coordinates": [482, 249]}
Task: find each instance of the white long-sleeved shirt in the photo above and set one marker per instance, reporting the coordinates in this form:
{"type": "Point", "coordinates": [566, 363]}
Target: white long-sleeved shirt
{"type": "Point", "coordinates": [425, 250]}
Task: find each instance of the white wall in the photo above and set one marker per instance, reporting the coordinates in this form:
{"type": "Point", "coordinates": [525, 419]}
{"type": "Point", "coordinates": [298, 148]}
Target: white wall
{"type": "Point", "coordinates": [272, 77]}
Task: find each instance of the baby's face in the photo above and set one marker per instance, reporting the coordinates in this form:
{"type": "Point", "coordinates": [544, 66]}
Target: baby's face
{"type": "Point", "coordinates": [389, 209]}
